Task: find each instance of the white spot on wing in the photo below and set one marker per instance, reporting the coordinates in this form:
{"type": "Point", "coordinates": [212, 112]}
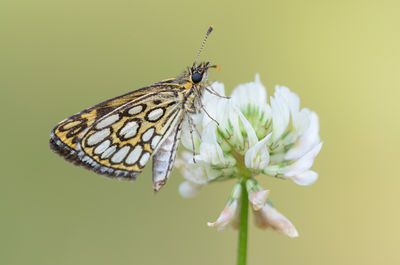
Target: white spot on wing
{"type": "Point", "coordinates": [155, 114]}
{"type": "Point", "coordinates": [109, 151]}
{"type": "Point", "coordinates": [107, 121]}
{"type": "Point", "coordinates": [130, 129]}
{"type": "Point", "coordinates": [145, 157]}
{"type": "Point", "coordinates": [102, 147]}
{"type": "Point", "coordinates": [148, 134]}
{"type": "Point", "coordinates": [155, 141]}
{"type": "Point", "coordinates": [120, 154]}
{"type": "Point", "coordinates": [70, 125]}
{"type": "Point", "coordinates": [134, 155]}
{"type": "Point", "coordinates": [97, 137]}
{"type": "Point", "coordinates": [84, 132]}
{"type": "Point", "coordinates": [135, 110]}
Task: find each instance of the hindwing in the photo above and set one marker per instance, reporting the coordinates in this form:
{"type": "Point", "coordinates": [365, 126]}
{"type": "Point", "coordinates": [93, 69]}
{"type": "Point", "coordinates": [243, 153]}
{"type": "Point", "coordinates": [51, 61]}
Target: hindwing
{"type": "Point", "coordinates": [164, 159]}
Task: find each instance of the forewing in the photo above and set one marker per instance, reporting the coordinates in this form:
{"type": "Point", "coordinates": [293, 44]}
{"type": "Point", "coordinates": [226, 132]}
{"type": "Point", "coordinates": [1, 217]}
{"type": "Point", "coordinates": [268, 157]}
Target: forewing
{"type": "Point", "coordinates": [65, 136]}
{"type": "Point", "coordinates": [117, 137]}
{"type": "Point", "coordinates": [164, 158]}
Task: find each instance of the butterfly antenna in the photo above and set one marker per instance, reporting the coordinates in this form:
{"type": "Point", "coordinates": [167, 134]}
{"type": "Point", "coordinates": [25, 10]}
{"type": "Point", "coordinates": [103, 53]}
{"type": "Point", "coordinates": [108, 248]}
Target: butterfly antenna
{"type": "Point", "coordinates": [210, 29]}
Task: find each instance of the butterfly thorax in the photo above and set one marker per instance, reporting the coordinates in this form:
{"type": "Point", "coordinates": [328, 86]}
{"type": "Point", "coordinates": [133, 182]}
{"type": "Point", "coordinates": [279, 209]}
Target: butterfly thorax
{"type": "Point", "coordinates": [188, 87]}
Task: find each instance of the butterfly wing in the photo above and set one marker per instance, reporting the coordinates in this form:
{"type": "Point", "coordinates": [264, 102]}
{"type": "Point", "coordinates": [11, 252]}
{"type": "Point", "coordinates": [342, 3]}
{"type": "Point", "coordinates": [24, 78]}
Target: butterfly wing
{"type": "Point", "coordinates": [118, 137]}
{"type": "Point", "coordinates": [164, 158]}
{"type": "Point", "coordinates": [65, 136]}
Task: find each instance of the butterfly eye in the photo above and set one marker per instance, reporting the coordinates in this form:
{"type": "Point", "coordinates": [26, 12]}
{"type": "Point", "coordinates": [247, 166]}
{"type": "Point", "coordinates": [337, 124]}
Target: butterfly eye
{"type": "Point", "coordinates": [196, 77]}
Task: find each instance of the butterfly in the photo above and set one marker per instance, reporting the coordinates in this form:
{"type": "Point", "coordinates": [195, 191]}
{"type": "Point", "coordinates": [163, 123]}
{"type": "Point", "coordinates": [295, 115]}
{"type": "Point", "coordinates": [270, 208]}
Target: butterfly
{"type": "Point", "coordinates": [117, 137]}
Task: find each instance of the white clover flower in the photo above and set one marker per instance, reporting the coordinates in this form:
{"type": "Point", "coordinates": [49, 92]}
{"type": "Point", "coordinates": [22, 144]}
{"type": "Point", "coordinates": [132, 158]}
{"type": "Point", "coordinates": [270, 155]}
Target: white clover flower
{"type": "Point", "coordinates": [252, 137]}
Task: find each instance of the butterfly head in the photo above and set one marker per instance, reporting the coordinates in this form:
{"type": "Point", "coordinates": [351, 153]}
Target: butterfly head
{"type": "Point", "coordinates": [199, 73]}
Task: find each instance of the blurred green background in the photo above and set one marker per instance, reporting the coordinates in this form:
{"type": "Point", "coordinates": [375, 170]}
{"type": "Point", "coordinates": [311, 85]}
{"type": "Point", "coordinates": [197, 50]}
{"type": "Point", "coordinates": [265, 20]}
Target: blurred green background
{"type": "Point", "coordinates": [59, 57]}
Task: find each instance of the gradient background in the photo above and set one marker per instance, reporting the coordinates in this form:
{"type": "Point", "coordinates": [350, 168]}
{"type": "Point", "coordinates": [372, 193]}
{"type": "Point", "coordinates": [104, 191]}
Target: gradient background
{"type": "Point", "coordinates": [59, 57]}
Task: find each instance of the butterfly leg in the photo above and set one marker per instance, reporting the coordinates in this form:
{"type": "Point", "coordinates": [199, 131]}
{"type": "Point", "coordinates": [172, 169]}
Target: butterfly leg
{"type": "Point", "coordinates": [202, 107]}
{"type": "Point", "coordinates": [195, 126]}
{"type": "Point", "coordinates": [211, 90]}
{"type": "Point", "coordinates": [191, 125]}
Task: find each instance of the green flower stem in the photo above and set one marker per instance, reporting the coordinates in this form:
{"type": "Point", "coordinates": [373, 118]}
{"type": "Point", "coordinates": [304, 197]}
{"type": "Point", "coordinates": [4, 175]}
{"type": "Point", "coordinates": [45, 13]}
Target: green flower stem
{"type": "Point", "coordinates": [244, 212]}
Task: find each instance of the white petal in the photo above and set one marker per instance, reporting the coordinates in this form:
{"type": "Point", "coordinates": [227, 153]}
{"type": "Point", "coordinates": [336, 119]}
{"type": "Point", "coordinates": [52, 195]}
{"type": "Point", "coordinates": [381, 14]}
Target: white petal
{"type": "Point", "coordinates": [253, 93]}
{"type": "Point", "coordinates": [283, 103]}
{"type": "Point", "coordinates": [271, 170]}
{"type": "Point", "coordinates": [192, 172]}
{"type": "Point", "coordinates": [228, 119]}
{"type": "Point", "coordinates": [268, 216]}
{"type": "Point", "coordinates": [280, 117]}
{"type": "Point", "coordinates": [257, 157]}
{"type": "Point", "coordinates": [251, 134]}
{"type": "Point", "coordinates": [258, 199]}
{"type": "Point", "coordinates": [212, 103]}
{"type": "Point", "coordinates": [189, 189]}
{"type": "Point", "coordinates": [306, 178]}
{"type": "Point", "coordinates": [210, 151]}
{"type": "Point", "coordinates": [303, 164]}
{"type": "Point", "coordinates": [291, 99]}
{"type": "Point", "coordinates": [307, 140]}
{"type": "Point", "coordinates": [225, 217]}
{"type": "Point", "coordinates": [300, 123]}
{"type": "Point", "coordinates": [234, 121]}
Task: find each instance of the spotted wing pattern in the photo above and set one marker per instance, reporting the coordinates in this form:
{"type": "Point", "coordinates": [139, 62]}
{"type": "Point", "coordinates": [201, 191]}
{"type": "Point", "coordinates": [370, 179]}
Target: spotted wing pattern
{"type": "Point", "coordinates": [118, 137]}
